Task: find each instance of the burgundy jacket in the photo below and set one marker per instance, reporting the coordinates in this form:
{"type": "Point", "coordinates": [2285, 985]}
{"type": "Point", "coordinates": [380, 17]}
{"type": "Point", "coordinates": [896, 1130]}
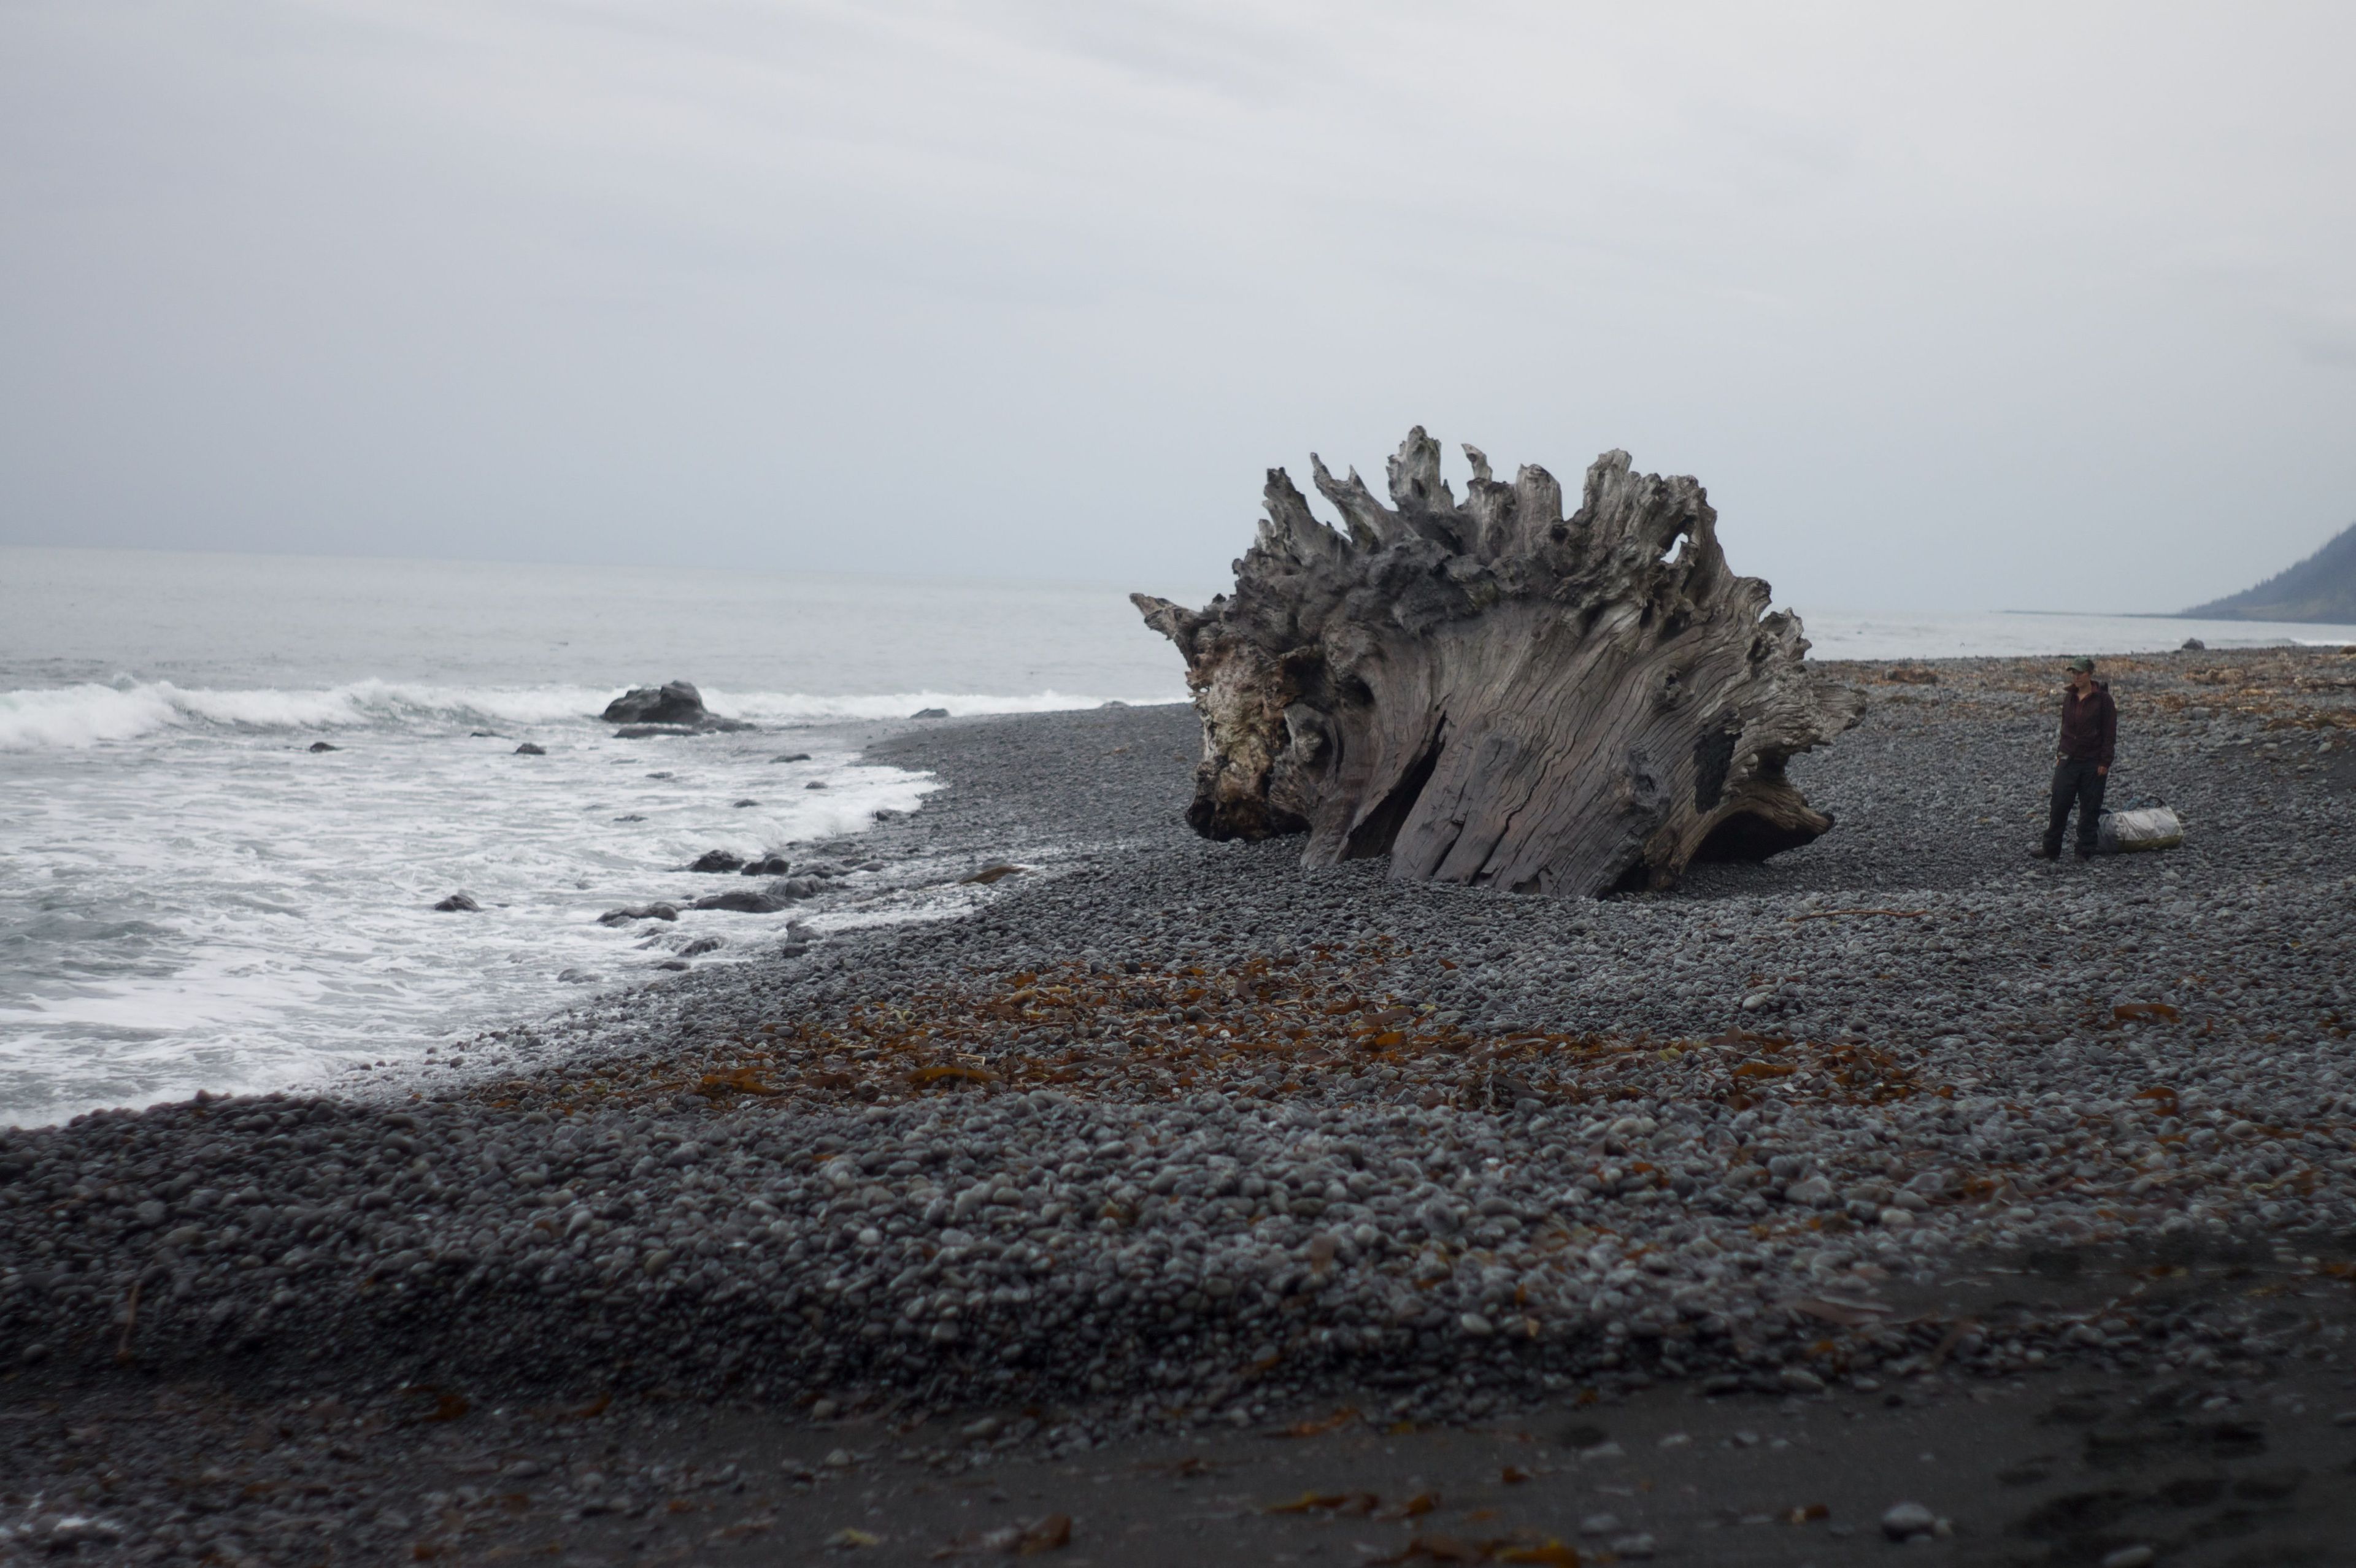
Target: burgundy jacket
{"type": "Point", "coordinates": [2090, 726]}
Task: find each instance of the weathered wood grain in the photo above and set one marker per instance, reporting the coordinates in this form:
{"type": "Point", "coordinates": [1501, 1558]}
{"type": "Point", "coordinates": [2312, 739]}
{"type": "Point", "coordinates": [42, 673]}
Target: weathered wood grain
{"type": "Point", "coordinates": [1492, 693]}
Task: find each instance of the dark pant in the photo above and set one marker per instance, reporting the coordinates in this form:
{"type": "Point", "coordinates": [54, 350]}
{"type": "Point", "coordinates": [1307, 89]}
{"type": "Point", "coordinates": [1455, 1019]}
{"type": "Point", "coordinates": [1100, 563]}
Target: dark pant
{"type": "Point", "coordinates": [2078, 782]}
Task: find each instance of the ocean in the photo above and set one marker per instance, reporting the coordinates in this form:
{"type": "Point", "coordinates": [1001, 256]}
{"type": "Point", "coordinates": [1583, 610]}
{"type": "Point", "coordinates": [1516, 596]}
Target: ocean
{"type": "Point", "coordinates": [192, 897]}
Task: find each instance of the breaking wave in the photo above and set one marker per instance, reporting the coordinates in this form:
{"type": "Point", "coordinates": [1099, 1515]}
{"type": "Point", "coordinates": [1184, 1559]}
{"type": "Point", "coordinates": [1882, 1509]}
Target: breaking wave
{"type": "Point", "coordinates": [93, 714]}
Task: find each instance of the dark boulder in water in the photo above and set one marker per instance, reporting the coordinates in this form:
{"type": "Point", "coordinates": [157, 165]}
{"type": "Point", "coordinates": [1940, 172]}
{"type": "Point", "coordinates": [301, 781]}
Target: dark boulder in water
{"type": "Point", "coordinates": [645, 912]}
{"type": "Point", "coordinates": [746, 901]}
{"type": "Point", "coordinates": [323, 746]}
{"type": "Point", "coordinates": [792, 757]}
{"type": "Point", "coordinates": [457, 903]}
{"type": "Point", "coordinates": [676, 703]}
{"type": "Point", "coordinates": [529, 750]}
{"type": "Point", "coordinates": [767, 866]}
{"type": "Point", "coordinates": [717, 860]}
{"type": "Point", "coordinates": [930, 713]}
{"type": "Point", "coordinates": [665, 709]}
{"type": "Point", "coordinates": [743, 804]}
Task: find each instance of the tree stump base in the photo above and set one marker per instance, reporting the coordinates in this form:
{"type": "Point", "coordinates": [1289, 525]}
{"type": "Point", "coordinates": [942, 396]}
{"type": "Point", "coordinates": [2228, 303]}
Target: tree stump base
{"type": "Point", "coordinates": [1491, 693]}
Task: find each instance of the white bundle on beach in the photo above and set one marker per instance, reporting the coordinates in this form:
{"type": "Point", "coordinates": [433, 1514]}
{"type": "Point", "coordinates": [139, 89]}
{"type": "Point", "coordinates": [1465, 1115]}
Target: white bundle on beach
{"type": "Point", "coordinates": [2126, 832]}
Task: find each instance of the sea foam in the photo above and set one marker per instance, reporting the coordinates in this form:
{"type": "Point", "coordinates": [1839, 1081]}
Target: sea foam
{"type": "Point", "coordinates": [210, 906]}
{"type": "Point", "coordinates": [93, 714]}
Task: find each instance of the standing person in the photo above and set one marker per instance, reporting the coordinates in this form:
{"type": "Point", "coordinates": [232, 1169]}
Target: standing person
{"type": "Point", "coordinates": [2090, 730]}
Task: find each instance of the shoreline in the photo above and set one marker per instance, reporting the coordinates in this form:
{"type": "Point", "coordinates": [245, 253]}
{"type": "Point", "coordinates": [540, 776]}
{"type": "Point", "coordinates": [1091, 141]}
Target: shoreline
{"type": "Point", "coordinates": [1793, 1128]}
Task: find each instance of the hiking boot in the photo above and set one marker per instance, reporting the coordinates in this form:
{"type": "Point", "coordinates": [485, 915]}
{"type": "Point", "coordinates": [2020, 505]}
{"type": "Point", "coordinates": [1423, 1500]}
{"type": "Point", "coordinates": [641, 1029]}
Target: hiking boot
{"type": "Point", "coordinates": [2042, 853]}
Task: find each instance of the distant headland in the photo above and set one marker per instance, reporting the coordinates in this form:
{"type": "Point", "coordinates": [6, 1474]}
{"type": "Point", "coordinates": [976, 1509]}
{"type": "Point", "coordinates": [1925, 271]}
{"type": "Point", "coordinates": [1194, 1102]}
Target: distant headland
{"type": "Point", "coordinates": [2320, 588]}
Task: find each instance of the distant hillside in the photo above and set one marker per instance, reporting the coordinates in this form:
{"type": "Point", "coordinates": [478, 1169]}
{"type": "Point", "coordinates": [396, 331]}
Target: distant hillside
{"type": "Point", "coordinates": [2320, 588]}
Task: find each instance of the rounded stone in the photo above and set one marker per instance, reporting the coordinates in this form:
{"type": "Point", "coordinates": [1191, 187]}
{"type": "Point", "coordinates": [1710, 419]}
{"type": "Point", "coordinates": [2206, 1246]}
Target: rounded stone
{"type": "Point", "coordinates": [1903, 1521]}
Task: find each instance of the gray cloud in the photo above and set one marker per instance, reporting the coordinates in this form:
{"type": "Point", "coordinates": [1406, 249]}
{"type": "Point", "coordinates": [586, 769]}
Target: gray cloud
{"type": "Point", "coordinates": [1948, 305]}
{"type": "Point", "coordinates": [2328, 342]}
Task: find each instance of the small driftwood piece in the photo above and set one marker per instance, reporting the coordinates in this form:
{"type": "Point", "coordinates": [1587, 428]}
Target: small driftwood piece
{"type": "Point", "coordinates": [1492, 693]}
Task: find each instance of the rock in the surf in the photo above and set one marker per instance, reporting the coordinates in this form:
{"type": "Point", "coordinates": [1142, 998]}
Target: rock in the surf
{"type": "Point", "coordinates": [674, 705]}
{"type": "Point", "coordinates": [747, 900]}
{"type": "Point", "coordinates": [717, 860]}
{"type": "Point", "coordinates": [459, 904]}
{"type": "Point", "coordinates": [644, 912]}
{"type": "Point", "coordinates": [677, 702]}
{"type": "Point", "coordinates": [530, 749]}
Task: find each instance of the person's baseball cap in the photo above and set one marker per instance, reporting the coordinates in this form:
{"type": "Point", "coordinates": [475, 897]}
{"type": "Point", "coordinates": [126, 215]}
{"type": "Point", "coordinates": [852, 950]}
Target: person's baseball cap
{"type": "Point", "coordinates": [2082, 663]}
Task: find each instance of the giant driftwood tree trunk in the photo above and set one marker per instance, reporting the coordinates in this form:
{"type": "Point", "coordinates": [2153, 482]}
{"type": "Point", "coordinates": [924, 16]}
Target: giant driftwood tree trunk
{"type": "Point", "coordinates": [1490, 692]}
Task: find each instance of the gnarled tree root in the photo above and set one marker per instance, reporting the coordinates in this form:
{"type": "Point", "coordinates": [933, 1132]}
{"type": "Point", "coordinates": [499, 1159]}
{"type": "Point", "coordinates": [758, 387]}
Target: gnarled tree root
{"type": "Point", "coordinates": [1492, 693]}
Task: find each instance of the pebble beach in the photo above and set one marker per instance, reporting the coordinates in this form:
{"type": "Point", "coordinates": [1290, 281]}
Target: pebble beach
{"type": "Point", "coordinates": [1155, 1136]}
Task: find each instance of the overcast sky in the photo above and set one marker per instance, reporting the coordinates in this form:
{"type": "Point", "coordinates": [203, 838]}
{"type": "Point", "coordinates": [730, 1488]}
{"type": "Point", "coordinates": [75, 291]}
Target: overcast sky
{"type": "Point", "coordinates": [1978, 306]}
